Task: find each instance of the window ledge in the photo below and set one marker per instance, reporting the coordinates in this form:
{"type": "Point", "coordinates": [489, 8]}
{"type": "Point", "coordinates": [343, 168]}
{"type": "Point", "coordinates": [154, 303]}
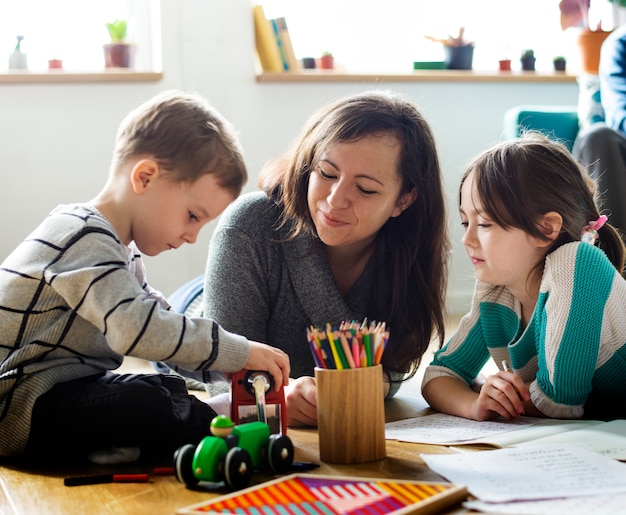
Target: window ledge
{"type": "Point", "coordinates": [417, 76]}
{"type": "Point", "coordinates": [62, 76]}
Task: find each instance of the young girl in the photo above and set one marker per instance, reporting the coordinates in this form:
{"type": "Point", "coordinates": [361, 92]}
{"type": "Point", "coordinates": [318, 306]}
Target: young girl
{"type": "Point", "coordinates": [550, 300]}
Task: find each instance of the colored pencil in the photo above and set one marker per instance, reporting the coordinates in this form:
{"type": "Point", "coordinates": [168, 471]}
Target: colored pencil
{"type": "Point", "coordinates": [351, 345]}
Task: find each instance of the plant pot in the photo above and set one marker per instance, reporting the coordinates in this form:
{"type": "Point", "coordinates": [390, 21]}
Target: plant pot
{"type": "Point", "coordinates": [18, 61]}
{"type": "Point", "coordinates": [55, 64]}
{"type": "Point", "coordinates": [308, 63]}
{"type": "Point", "coordinates": [118, 55]}
{"type": "Point", "coordinates": [504, 65]}
{"type": "Point", "coordinates": [589, 43]}
{"type": "Point", "coordinates": [327, 62]}
{"type": "Point", "coordinates": [458, 57]}
{"type": "Point", "coordinates": [559, 65]}
{"type": "Point", "coordinates": [528, 63]}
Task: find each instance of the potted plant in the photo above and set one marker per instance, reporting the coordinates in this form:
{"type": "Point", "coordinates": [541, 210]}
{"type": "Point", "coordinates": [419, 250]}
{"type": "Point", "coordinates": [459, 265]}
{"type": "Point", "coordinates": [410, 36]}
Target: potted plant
{"type": "Point", "coordinates": [55, 64]}
{"type": "Point", "coordinates": [559, 62]}
{"type": "Point", "coordinates": [308, 63]}
{"type": "Point", "coordinates": [458, 52]}
{"type": "Point", "coordinates": [17, 60]}
{"type": "Point", "coordinates": [527, 60]}
{"type": "Point", "coordinates": [575, 13]}
{"type": "Point", "coordinates": [504, 65]}
{"type": "Point", "coordinates": [327, 61]}
{"type": "Point", "coordinates": [118, 53]}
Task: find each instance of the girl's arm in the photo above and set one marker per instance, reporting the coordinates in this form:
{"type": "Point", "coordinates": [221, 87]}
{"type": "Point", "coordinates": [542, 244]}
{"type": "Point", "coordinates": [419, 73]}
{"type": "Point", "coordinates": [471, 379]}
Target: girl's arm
{"type": "Point", "coordinates": [450, 380]}
{"type": "Point", "coordinates": [451, 395]}
{"type": "Point", "coordinates": [503, 394]}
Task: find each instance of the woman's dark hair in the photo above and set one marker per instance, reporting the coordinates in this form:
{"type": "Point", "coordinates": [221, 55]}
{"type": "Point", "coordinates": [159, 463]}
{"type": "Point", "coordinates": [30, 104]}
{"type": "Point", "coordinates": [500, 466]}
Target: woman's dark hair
{"type": "Point", "coordinates": [521, 180]}
{"type": "Point", "coordinates": [418, 238]}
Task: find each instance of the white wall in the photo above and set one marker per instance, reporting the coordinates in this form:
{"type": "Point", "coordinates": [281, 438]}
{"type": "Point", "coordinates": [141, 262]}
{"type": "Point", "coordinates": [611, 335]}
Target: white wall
{"type": "Point", "coordinates": [57, 138]}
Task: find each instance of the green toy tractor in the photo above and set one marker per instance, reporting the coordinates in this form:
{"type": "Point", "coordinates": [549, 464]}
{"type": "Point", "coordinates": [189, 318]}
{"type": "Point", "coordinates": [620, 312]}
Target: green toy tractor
{"type": "Point", "coordinates": [231, 454]}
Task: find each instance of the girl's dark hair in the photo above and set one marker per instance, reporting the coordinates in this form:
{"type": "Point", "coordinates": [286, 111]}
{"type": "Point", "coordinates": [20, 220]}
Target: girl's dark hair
{"type": "Point", "coordinates": [519, 181]}
{"type": "Point", "coordinates": [186, 136]}
{"type": "Point", "coordinates": [418, 238]}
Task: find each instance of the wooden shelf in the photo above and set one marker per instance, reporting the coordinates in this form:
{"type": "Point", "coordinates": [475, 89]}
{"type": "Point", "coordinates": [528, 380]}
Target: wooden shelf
{"type": "Point", "coordinates": [62, 76]}
{"type": "Point", "coordinates": [417, 76]}
{"type": "Point", "coordinates": [304, 76]}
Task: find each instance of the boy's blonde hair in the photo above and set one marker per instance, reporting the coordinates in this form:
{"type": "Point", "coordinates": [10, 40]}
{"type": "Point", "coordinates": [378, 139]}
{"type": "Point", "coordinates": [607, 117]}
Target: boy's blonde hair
{"type": "Point", "coordinates": [186, 136]}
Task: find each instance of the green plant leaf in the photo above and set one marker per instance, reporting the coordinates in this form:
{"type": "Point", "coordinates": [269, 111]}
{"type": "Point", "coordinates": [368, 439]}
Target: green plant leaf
{"type": "Point", "coordinates": [117, 30]}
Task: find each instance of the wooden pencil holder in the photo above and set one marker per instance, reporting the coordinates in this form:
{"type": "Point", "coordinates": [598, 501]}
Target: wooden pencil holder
{"type": "Point", "coordinates": [351, 414]}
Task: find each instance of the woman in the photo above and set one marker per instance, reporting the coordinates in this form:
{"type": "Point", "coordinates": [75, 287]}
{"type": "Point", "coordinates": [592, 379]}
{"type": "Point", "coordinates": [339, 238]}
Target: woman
{"type": "Point", "coordinates": [350, 225]}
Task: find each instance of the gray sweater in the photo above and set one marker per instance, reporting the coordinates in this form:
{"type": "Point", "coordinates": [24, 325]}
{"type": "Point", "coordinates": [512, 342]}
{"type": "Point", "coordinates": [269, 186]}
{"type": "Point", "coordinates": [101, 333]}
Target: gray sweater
{"type": "Point", "coordinates": [271, 290]}
{"type": "Point", "coordinates": [73, 302]}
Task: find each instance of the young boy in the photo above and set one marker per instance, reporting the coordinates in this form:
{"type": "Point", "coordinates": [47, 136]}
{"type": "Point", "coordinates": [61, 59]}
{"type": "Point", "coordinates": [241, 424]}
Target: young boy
{"type": "Point", "coordinates": [74, 299]}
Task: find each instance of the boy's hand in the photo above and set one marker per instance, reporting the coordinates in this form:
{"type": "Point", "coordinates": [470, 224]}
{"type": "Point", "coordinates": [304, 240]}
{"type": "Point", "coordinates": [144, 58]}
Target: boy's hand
{"type": "Point", "coordinates": [503, 394]}
{"type": "Point", "coordinates": [275, 361]}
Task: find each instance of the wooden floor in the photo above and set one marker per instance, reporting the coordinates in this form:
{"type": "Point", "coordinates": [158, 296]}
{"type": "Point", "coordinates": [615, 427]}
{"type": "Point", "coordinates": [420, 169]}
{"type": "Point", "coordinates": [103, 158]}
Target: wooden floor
{"type": "Point", "coordinates": [41, 491]}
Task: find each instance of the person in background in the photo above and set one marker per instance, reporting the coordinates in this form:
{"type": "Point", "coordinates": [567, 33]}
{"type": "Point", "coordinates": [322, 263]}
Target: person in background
{"type": "Point", "coordinates": [74, 299]}
{"type": "Point", "coordinates": [550, 300]}
{"type": "Point", "coordinates": [350, 225]}
{"type": "Point", "coordinates": [602, 146]}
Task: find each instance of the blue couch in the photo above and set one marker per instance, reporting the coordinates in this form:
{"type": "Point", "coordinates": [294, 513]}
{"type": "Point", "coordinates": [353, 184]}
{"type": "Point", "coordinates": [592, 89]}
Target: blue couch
{"type": "Point", "coordinates": [557, 122]}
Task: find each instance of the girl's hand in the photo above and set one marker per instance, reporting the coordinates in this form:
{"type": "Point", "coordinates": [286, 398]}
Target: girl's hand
{"type": "Point", "coordinates": [275, 361]}
{"type": "Point", "coordinates": [503, 394]}
{"type": "Point", "coordinates": [301, 399]}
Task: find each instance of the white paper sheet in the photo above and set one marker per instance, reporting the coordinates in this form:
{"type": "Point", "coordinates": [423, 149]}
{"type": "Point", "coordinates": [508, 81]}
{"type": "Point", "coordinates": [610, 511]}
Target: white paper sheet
{"type": "Point", "coordinates": [612, 504]}
{"type": "Point", "coordinates": [445, 429]}
{"type": "Point", "coordinates": [530, 472]}
{"type": "Point", "coordinates": [607, 438]}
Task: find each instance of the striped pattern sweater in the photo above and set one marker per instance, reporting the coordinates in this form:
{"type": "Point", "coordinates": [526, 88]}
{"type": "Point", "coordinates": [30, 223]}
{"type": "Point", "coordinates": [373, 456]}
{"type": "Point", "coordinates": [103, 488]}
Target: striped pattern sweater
{"type": "Point", "coordinates": [73, 302]}
{"type": "Point", "coordinates": [575, 342]}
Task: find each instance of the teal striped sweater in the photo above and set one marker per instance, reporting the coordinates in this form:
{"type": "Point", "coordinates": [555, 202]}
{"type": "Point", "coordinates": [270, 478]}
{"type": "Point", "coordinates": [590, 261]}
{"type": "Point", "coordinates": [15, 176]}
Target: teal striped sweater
{"type": "Point", "coordinates": [573, 345]}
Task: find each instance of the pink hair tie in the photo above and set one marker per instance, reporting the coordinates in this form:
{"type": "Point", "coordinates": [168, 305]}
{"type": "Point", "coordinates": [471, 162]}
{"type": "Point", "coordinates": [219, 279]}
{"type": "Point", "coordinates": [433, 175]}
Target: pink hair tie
{"type": "Point", "coordinates": [590, 231]}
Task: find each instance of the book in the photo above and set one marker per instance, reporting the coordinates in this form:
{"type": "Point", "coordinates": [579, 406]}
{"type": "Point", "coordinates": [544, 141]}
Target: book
{"type": "Point", "coordinates": [288, 53]}
{"type": "Point", "coordinates": [608, 438]}
{"type": "Point", "coordinates": [279, 43]}
{"type": "Point", "coordinates": [334, 495]}
{"type": "Point", "coordinates": [265, 42]}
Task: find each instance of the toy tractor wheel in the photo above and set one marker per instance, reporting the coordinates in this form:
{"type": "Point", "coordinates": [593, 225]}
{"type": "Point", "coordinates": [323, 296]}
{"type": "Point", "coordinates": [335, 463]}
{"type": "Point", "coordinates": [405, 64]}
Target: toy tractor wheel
{"type": "Point", "coordinates": [237, 468]}
{"type": "Point", "coordinates": [183, 465]}
{"type": "Point", "coordinates": [280, 453]}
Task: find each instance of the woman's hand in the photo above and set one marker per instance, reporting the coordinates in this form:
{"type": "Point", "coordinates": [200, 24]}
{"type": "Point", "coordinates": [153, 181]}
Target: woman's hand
{"type": "Point", "coordinates": [301, 400]}
{"type": "Point", "coordinates": [503, 394]}
{"type": "Point", "coordinates": [275, 361]}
